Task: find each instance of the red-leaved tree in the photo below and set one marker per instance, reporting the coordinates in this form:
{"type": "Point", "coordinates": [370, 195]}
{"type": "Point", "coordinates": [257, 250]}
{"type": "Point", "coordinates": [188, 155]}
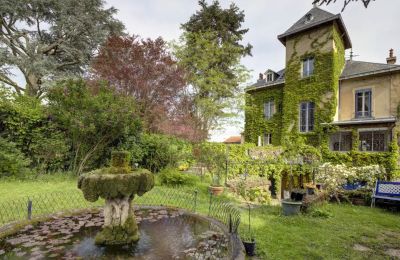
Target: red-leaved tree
{"type": "Point", "coordinates": [145, 69]}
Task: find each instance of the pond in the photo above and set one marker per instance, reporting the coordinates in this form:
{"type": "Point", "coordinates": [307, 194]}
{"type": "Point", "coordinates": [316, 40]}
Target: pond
{"type": "Point", "coordinates": [164, 234]}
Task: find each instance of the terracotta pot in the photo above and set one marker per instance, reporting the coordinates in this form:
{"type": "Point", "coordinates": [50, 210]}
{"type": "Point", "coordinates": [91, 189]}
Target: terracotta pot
{"type": "Point", "coordinates": [216, 190]}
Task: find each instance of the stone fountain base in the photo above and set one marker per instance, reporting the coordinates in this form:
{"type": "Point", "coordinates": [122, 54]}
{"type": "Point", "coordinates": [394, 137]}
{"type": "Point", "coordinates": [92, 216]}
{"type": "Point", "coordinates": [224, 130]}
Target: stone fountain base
{"type": "Point", "coordinates": [120, 225]}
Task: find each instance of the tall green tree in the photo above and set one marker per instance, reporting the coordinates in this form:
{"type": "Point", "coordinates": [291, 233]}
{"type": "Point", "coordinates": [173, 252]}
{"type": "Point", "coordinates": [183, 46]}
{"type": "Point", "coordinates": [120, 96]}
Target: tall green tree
{"type": "Point", "coordinates": [93, 117]}
{"type": "Point", "coordinates": [211, 50]}
{"type": "Point", "coordinates": [45, 39]}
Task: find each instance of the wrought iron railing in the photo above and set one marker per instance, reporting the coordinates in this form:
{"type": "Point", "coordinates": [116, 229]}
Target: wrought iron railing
{"type": "Point", "coordinates": [26, 208]}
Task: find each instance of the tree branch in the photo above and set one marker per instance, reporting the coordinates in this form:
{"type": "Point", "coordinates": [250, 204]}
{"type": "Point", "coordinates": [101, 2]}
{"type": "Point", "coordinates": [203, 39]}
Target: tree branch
{"type": "Point", "coordinates": [8, 81]}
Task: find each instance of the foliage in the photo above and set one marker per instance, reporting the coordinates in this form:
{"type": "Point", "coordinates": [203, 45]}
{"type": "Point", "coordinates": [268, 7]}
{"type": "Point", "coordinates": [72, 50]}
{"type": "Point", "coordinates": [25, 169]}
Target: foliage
{"type": "Point", "coordinates": [159, 151]}
{"type": "Point", "coordinates": [93, 118]}
{"type": "Point", "coordinates": [335, 176]}
{"type": "Point", "coordinates": [213, 157]}
{"type": "Point", "coordinates": [141, 68]}
{"type": "Point", "coordinates": [387, 159]}
{"type": "Point", "coordinates": [12, 160]}
{"type": "Point", "coordinates": [345, 2]}
{"type": "Point", "coordinates": [49, 39]}
{"type": "Point", "coordinates": [172, 177]}
{"type": "Point", "coordinates": [210, 51]}
{"type": "Point", "coordinates": [256, 125]}
{"type": "Point", "coordinates": [253, 188]}
{"type": "Point", "coordinates": [25, 122]}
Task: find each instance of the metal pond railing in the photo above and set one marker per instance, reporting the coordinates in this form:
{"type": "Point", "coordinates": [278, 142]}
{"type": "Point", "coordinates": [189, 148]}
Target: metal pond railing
{"type": "Point", "coordinates": [26, 208]}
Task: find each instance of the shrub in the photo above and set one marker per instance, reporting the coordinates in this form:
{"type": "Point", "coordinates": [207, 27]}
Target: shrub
{"type": "Point", "coordinates": [25, 122]}
{"type": "Point", "coordinates": [160, 151]}
{"type": "Point", "coordinates": [173, 177]}
{"type": "Point", "coordinates": [12, 160]}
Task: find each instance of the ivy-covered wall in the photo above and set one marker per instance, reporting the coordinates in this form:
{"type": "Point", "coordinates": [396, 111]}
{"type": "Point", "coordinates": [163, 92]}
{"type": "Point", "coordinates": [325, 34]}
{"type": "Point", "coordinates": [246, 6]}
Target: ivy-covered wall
{"type": "Point", "coordinates": [256, 124]}
{"type": "Point", "coordinates": [321, 87]}
{"type": "Point", "coordinates": [326, 46]}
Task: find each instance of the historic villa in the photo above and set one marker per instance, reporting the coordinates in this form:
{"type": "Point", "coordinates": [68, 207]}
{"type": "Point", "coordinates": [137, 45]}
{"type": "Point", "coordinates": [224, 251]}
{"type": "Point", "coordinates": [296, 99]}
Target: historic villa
{"type": "Point", "coordinates": [346, 105]}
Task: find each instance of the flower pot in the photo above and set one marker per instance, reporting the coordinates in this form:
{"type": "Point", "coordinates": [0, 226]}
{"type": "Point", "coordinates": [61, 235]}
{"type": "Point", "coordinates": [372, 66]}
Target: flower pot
{"type": "Point", "coordinates": [291, 207]}
{"type": "Point", "coordinates": [216, 190]}
{"type": "Point", "coordinates": [250, 247]}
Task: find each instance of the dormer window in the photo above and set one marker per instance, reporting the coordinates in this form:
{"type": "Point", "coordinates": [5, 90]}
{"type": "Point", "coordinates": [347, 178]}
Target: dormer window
{"type": "Point", "coordinates": [309, 18]}
{"type": "Point", "coordinates": [270, 77]}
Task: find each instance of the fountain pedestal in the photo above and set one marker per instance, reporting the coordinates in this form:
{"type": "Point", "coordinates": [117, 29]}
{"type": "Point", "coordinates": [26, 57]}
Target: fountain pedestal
{"type": "Point", "coordinates": [118, 185]}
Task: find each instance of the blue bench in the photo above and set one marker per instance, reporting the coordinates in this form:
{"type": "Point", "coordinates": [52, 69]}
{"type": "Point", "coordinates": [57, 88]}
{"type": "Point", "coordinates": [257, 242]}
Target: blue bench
{"type": "Point", "coordinates": [386, 190]}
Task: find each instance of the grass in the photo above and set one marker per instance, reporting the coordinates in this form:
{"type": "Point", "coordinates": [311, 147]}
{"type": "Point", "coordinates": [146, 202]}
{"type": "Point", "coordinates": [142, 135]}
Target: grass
{"type": "Point", "coordinates": [334, 237]}
{"type": "Point", "coordinates": [330, 235]}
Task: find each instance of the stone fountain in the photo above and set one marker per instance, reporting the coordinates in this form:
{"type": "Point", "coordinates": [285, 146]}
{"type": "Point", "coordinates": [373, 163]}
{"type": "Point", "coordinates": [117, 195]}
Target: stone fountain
{"type": "Point", "coordinates": [117, 185]}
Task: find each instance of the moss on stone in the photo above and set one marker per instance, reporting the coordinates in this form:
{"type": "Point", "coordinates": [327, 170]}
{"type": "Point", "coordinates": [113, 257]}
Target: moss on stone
{"type": "Point", "coordinates": [119, 235]}
{"type": "Point", "coordinates": [120, 159]}
{"type": "Point", "coordinates": [106, 184]}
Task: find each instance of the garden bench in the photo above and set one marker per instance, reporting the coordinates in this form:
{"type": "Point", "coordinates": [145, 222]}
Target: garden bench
{"type": "Point", "coordinates": [386, 190]}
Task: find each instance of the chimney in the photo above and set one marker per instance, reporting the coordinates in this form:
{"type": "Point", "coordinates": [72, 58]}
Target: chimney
{"type": "Point", "coordinates": [391, 59]}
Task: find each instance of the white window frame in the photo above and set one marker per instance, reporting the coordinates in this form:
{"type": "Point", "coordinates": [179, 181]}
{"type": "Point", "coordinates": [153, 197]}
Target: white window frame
{"type": "Point", "coordinates": [270, 77]}
{"type": "Point", "coordinates": [309, 72]}
{"type": "Point", "coordinates": [363, 112]}
{"type": "Point", "coordinates": [307, 123]}
{"type": "Point", "coordinates": [269, 109]}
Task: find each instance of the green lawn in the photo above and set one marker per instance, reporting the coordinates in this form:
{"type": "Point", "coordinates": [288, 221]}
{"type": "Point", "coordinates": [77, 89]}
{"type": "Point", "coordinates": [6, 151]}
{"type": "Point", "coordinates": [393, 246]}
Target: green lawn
{"type": "Point", "coordinates": [375, 231]}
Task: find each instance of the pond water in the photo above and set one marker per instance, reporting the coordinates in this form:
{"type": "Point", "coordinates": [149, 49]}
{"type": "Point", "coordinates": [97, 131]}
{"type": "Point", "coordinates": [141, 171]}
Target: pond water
{"type": "Point", "coordinates": [164, 234]}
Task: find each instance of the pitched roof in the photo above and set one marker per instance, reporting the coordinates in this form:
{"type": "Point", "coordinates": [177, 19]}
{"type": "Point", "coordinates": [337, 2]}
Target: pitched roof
{"type": "Point", "coordinates": [316, 18]}
{"type": "Point", "coordinates": [261, 83]}
{"type": "Point", "coordinates": [233, 139]}
{"type": "Point", "coordinates": [354, 69]}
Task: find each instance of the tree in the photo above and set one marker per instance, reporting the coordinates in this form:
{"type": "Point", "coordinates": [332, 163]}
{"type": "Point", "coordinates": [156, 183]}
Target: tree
{"type": "Point", "coordinates": [144, 69]}
{"type": "Point", "coordinates": [210, 51]}
{"type": "Point", "coordinates": [46, 39]}
{"type": "Point", "coordinates": [345, 2]}
{"type": "Point", "coordinates": [93, 118]}
{"type": "Point", "coordinates": [24, 121]}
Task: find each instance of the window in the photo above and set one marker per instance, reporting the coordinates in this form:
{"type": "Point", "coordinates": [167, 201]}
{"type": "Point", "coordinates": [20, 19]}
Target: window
{"type": "Point", "coordinates": [308, 67]}
{"type": "Point", "coordinates": [269, 109]}
{"type": "Point", "coordinates": [267, 139]}
{"type": "Point", "coordinates": [306, 117]}
{"type": "Point", "coordinates": [341, 141]}
{"type": "Point", "coordinates": [363, 103]}
{"type": "Point", "coordinates": [373, 140]}
{"type": "Point", "coordinates": [270, 77]}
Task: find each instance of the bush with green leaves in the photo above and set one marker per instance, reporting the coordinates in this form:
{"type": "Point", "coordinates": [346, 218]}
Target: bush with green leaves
{"type": "Point", "coordinates": [156, 152]}
{"type": "Point", "coordinates": [25, 121]}
{"type": "Point", "coordinates": [12, 160]}
{"type": "Point", "coordinates": [174, 177]}
{"type": "Point", "coordinates": [95, 118]}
